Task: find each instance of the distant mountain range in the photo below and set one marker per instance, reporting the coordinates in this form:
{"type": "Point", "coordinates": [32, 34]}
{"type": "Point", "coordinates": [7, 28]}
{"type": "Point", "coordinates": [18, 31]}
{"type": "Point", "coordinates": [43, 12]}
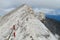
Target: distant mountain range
{"type": "Point", "coordinates": [54, 17]}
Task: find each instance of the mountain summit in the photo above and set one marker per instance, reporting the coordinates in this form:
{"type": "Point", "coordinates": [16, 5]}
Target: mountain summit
{"type": "Point", "coordinates": [21, 24]}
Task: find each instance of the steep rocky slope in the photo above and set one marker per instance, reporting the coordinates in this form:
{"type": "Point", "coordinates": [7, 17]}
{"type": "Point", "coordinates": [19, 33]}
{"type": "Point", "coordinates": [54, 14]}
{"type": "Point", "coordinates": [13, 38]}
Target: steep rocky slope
{"type": "Point", "coordinates": [52, 25]}
{"type": "Point", "coordinates": [27, 26]}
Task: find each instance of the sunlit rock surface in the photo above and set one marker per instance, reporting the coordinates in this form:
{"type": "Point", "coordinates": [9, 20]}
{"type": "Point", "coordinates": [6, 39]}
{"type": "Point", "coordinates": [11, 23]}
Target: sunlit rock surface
{"type": "Point", "coordinates": [28, 27]}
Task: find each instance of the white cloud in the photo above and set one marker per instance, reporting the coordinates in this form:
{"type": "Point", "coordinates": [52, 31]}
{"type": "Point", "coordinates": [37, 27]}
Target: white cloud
{"type": "Point", "coordinates": [4, 11]}
{"type": "Point", "coordinates": [7, 10]}
{"type": "Point", "coordinates": [7, 4]}
{"type": "Point", "coordinates": [47, 11]}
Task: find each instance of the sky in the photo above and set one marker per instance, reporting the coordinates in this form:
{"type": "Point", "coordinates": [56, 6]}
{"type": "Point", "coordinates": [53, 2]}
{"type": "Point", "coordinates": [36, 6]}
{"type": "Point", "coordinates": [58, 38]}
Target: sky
{"type": "Point", "coordinates": [50, 7]}
{"type": "Point", "coordinates": [34, 3]}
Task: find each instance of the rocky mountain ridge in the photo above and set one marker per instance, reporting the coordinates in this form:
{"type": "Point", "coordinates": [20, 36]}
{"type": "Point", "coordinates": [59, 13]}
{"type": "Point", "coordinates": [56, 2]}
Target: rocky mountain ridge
{"type": "Point", "coordinates": [27, 26]}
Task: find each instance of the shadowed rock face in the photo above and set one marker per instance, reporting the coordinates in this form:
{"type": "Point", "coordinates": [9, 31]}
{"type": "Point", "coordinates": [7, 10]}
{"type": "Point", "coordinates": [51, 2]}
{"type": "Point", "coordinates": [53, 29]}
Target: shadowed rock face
{"type": "Point", "coordinates": [0, 15]}
{"type": "Point", "coordinates": [52, 25]}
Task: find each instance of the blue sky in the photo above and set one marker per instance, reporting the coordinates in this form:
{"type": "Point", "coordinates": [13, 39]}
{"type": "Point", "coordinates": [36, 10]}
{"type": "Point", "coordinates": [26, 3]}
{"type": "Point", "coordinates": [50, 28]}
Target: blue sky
{"type": "Point", "coordinates": [49, 7]}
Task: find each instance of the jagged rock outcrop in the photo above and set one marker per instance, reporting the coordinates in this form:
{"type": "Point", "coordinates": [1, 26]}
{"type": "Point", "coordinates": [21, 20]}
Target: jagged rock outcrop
{"type": "Point", "coordinates": [28, 27]}
{"type": "Point", "coordinates": [40, 16]}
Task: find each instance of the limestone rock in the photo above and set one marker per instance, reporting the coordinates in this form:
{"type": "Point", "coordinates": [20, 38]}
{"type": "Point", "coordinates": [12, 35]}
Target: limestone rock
{"type": "Point", "coordinates": [27, 26]}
